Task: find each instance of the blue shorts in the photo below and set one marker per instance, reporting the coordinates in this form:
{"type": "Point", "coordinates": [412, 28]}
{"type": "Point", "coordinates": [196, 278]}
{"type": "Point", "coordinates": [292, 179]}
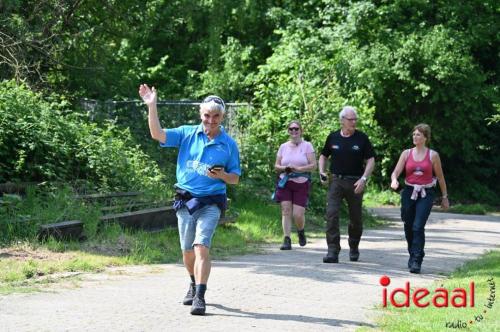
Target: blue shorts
{"type": "Point", "coordinates": [198, 228]}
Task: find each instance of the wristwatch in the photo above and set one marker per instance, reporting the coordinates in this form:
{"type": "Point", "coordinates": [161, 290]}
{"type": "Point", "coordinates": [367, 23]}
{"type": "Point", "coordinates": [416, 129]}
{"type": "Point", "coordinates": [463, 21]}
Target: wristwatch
{"type": "Point", "coordinates": [364, 178]}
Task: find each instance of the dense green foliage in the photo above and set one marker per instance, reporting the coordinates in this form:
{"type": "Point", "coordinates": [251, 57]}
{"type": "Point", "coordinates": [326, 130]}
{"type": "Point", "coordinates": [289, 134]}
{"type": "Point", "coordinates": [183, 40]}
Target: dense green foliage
{"type": "Point", "coordinates": [399, 62]}
{"type": "Point", "coordinates": [103, 49]}
{"type": "Point", "coordinates": [41, 141]}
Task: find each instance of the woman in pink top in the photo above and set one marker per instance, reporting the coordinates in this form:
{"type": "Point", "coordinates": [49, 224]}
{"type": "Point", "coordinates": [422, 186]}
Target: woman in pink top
{"type": "Point", "coordinates": [295, 160]}
{"type": "Point", "coordinates": [422, 166]}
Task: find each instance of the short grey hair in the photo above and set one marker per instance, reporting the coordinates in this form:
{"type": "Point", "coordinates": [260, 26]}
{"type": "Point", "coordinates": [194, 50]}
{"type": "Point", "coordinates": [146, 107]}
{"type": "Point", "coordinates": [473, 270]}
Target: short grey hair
{"type": "Point", "coordinates": [345, 109]}
{"type": "Point", "coordinates": [213, 103]}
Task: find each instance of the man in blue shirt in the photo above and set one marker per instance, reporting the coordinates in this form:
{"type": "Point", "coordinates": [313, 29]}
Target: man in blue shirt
{"type": "Point", "coordinates": [208, 159]}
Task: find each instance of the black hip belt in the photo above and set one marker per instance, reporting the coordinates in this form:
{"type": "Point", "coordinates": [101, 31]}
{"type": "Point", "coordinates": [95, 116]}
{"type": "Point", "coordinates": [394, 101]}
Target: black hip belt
{"type": "Point", "coordinates": [347, 177]}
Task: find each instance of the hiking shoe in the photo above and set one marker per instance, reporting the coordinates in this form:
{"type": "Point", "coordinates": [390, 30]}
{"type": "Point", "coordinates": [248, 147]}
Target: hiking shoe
{"type": "Point", "coordinates": [331, 257]}
{"type": "Point", "coordinates": [353, 249]}
{"type": "Point", "coordinates": [188, 299]}
{"type": "Point", "coordinates": [287, 244]}
{"type": "Point", "coordinates": [353, 254]}
{"type": "Point", "coordinates": [198, 307]}
{"type": "Point", "coordinates": [415, 267]}
{"type": "Point", "coordinates": [302, 238]}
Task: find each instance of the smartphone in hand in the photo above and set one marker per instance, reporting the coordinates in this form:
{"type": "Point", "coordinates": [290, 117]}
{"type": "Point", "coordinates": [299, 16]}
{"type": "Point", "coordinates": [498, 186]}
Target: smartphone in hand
{"type": "Point", "coordinates": [216, 168]}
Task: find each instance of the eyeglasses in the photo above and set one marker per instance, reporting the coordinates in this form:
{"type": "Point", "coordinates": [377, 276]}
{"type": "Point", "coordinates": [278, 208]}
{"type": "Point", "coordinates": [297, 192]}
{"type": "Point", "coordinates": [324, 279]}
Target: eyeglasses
{"type": "Point", "coordinates": [293, 129]}
{"type": "Point", "coordinates": [350, 119]}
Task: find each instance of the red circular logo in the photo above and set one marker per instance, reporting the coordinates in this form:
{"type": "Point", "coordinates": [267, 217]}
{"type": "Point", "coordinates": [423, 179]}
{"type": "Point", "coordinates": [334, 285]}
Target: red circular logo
{"type": "Point", "coordinates": [385, 280]}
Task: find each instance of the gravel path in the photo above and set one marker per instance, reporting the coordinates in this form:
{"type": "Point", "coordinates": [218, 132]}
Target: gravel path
{"type": "Point", "coordinates": [275, 291]}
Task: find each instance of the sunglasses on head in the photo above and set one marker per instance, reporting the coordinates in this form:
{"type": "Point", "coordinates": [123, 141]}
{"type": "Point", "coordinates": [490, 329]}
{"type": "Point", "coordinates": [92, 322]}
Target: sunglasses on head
{"type": "Point", "coordinates": [293, 128]}
{"type": "Point", "coordinates": [215, 99]}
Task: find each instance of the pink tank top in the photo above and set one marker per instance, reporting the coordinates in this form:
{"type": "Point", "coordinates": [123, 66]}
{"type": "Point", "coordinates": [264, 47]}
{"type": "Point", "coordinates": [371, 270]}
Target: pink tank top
{"type": "Point", "coordinates": [418, 172]}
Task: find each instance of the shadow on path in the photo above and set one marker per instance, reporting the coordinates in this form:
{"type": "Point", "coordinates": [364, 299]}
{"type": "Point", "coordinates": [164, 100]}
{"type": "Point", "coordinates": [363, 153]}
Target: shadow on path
{"type": "Point", "coordinates": [286, 317]}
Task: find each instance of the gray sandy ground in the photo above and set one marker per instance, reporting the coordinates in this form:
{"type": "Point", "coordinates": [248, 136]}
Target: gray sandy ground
{"type": "Point", "coordinates": [275, 291]}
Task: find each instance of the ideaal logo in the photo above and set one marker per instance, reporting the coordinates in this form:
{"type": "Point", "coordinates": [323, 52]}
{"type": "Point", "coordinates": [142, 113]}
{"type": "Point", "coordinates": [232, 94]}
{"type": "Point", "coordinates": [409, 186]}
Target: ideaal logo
{"type": "Point", "coordinates": [439, 298]}
{"type": "Point", "coordinates": [422, 297]}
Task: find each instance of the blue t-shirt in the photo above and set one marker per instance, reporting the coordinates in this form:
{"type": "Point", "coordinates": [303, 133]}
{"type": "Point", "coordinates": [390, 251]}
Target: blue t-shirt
{"type": "Point", "coordinates": [197, 154]}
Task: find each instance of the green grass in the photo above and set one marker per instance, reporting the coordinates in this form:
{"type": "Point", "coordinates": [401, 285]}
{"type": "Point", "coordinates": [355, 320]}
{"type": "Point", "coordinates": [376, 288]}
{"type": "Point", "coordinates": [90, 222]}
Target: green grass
{"type": "Point", "coordinates": [43, 267]}
{"type": "Point", "coordinates": [434, 319]}
{"type": "Point", "coordinates": [375, 197]}
{"type": "Point", "coordinates": [471, 209]}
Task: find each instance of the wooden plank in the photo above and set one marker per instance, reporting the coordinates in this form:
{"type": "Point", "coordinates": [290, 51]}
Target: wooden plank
{"type": "Point", "coordinates": [153, 219]}
{"type": "Point", "coordinates": [128, 206]}
{"type": "Point", "coordinates": [227, 220]}
{"type": "Point", "coordinates": [147, 219]}
{"type": "Point", "coordinates": [65, 230]}
{"type": "Point", "coordinates": [109, 195]}
{"type": "Point", "coordinates": [16, 187]}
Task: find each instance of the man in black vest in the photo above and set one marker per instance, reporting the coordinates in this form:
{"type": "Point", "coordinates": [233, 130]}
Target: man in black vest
{"type": "Point", "coordinates": [352, 160]}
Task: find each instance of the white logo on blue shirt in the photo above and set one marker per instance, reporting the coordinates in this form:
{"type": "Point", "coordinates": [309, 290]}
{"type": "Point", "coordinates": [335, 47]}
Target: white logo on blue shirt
{"type": "Point", "coordinates": [197, 166]}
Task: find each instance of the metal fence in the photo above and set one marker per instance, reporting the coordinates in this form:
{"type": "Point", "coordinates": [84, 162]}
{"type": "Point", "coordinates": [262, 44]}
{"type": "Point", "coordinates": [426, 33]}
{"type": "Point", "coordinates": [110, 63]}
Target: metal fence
{"type": "Point", "coordinates": [172, 113]}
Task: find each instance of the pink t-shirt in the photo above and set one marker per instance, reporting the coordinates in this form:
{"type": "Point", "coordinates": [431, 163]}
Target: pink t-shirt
{"type": "Point", "coordinates": [295, 155]}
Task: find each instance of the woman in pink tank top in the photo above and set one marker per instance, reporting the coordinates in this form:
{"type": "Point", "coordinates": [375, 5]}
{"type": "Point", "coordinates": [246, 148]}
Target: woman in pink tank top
{"type": "Point", "coordinates": [422, 166]}
{"type": "Point", "coordinates": [294, 161]}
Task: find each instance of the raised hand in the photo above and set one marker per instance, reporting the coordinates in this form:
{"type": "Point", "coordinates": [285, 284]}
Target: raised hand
{"type": "Point", "coordinates": [148, 95]}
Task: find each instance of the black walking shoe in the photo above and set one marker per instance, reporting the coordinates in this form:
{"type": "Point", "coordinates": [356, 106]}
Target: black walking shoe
{"type": "Point", "coordinates": [415, 267]}
{"type": "Point", "coordinates": [353, 254]}
{"type": "Point", "coordinates": [331, 257]}
{"type": "Point", "coordinates": [353, 249]}
{"type": "Point", "coordinates": [302, 238]}
{"type": "Point", "coordinates": [287, 244]}
{"type": "Point", "coordinates": [188, 299]}
{"type": "Point", "coordinates": [198, 307]}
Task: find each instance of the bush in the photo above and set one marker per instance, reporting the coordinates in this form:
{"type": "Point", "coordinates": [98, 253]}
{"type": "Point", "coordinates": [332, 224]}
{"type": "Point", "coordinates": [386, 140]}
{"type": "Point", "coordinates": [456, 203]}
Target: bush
{"type": "Point", "coordinates": [40, 141]}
